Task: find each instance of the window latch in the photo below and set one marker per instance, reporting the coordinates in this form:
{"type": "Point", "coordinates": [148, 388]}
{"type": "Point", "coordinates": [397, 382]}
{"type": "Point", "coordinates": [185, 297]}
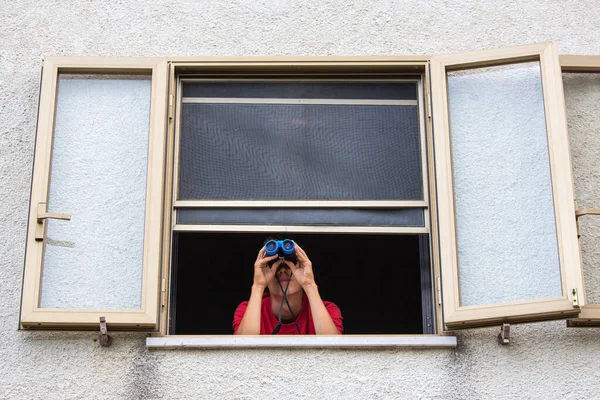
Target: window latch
{"type": "Point", "coordinates": [105, 339]}
{"type": "Point", "coordinates": [42, 216]}
{"type": "Point", "coordinates": [583, 211]}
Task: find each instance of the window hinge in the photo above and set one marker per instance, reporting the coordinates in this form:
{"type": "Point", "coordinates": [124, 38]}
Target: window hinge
{"type": "Point", "coordinates": [170, 106]}
{"type": "Point", "coordinates": [575, 298]}
{"type": "Point", "coordinates": [429, 105]}
{"type": "Point", "coordinates": [439, 291]}
{"type": "Point", "coordinates": [164, 293]}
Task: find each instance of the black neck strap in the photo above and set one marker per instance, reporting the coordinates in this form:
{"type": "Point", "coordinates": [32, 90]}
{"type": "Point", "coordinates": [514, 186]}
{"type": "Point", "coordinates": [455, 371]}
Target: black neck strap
{"type": "Point", "coordinates": [285, 299]}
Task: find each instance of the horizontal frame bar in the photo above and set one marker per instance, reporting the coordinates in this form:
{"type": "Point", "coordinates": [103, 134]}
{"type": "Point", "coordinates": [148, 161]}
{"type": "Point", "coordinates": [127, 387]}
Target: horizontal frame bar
{"type": "Point", "coordinates": [299, 204]}
{"type": "Point", "coordinates": [300, 59]}
{"type": "Point", "coordinates": [295, 341]}
{"type": "Point", "coordinates": [303, 229]}
{"type": "Point", "coordinates": [240, 100]}
{"type": "Point", "coordinates": [408, 77]}
{"type": "Point", "coordinates": [570, 63]}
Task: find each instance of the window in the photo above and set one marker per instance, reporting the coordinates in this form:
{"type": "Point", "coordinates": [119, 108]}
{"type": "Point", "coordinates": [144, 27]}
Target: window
{"type": "Point", "coordinates": [338, 164]}
{"type": "Point", "coordinates": [581, 77]}
{"type": "Point", "coordinates": [94, 236]}
{"type": "Point", "coordinates": [461, 162]}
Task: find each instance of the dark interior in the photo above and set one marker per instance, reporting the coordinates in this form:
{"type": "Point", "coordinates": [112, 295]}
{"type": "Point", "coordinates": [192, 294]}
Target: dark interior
{"type": "Point", "coordinates": [374, 279]}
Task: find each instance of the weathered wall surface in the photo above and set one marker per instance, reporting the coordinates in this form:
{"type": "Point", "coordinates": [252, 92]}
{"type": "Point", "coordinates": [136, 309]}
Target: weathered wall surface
{"type": "Point", "coordinates": [545, 360]}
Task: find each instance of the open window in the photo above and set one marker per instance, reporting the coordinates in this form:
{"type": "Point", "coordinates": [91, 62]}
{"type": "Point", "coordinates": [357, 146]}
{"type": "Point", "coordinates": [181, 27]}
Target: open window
{"type": "Point", "coordinates": [334, 161]}
{"type": "Point", "coordinates": [335, 153]}
{"type": "Point", "coordinates": [94, 233]}
{"type": "Point", "coordinates": [508, 240]}
{"type": "Point", "coordinates": [581, 81]}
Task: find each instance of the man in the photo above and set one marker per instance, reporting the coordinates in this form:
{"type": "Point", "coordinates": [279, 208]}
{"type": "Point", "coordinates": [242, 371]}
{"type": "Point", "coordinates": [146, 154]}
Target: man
{"type": "Point", "coordinates": [268, 313]}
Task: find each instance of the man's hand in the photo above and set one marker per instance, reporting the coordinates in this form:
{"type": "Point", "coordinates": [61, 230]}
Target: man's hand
{"type": "Point", "coordinates": [262, 273]}
{"type": "Point", "coordinates": [302, 270]}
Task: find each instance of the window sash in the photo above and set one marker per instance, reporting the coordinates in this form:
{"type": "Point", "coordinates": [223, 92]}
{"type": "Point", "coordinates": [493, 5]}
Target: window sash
{"type": "Point", "coordinates": [590, 313]}
{"type": "Point", "coordinates": [32, 316]}
{"type": "Point", "coordinates": [178, 99]}
{"type": "Point", "coordinates": [455, 315]}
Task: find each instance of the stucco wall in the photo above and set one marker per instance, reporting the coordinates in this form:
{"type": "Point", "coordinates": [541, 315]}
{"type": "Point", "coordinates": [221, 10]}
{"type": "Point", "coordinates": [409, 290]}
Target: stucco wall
{"type": "Point", "coordinates": [544, 360]}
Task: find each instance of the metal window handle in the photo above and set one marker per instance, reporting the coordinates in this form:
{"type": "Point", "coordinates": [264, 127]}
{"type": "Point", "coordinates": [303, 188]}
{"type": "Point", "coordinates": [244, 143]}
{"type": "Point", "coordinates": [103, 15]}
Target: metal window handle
{"type": "Point", "coordinates": [586, 211]}
{"type": "Point", "coordinates": [42, 216]}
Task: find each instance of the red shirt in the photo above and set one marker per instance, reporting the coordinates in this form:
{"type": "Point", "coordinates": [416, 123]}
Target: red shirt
{"type": "Point", "coordinates": [268, 321]}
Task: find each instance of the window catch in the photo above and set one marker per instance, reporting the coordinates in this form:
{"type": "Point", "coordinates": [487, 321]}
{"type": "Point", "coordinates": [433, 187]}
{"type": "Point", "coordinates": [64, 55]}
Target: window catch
{"type": "Point", "coordinates": [575, 298]}
{"type": "Point", "coordinates": [504, 335]}
{"type": "Point", "coordinates": [105, 339]}
{"type": "Point", "coordinates": [583, 211]}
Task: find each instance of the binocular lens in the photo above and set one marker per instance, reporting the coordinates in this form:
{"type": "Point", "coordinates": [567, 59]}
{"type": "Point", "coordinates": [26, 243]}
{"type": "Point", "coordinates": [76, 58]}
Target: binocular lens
{"type": "Point", "coordinates": [288, 246]}
{"type": "Point", "coordinates": [284, 247]}
{"type": "Point", "coordinates": [271, 247]}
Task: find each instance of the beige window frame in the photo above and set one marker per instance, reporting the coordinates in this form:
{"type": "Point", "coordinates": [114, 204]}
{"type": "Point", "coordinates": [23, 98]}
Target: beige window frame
{"type": "Point", "coordinates": [32, 316]}
{"type": "Point", "coordinates": [590, 313]}
{"type": "Point", "coordinates": [161, 191]}
{"type": "Point", "coordinates": [565, 306]}
{"type": "Point", "coordinates": [286, 69]}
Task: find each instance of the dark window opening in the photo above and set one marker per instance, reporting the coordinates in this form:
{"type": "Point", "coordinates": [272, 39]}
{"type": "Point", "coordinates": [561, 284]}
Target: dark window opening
{"type": "Point", "coordinates": [382, 283]}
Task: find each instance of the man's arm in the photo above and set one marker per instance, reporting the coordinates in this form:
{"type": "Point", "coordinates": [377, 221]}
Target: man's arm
{"type": "Point", "coordinates": [250, 324]}
{"type": "Point", "coordinates": [303, 273]}
{"type": "Point", "coordinates": [324, 324]}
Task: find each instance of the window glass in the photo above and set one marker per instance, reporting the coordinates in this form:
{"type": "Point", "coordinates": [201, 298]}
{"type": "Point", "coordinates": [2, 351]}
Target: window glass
{"type": "Point", "coordinates": [95, 259]}
{"type": "Point", "coordinates": [269, 149]}
{"type": "Point", "coordinates": [506, 230]}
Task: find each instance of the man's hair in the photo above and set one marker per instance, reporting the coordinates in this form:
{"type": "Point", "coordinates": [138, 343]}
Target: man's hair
{"type": "Point", "coordinates": [273, 237]}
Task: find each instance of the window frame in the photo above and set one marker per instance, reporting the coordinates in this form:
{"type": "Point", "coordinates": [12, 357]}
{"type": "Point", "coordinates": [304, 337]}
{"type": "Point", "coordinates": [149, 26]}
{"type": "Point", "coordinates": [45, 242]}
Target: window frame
{"type": "Point", "coordinates": [590, 313]}
{"type": "Point", "coordinates": [565, 306]}
{"type": "Point", "coordinates": [146, 318]}
{"type": "Point", "coordinates": [155, 315]}
{"type": "Point", "coordinates": [334, 66]}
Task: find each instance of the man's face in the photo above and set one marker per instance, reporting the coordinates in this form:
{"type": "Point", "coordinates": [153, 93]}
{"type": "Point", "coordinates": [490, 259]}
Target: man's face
{"type": "Point", "coordinates": [286, 277]}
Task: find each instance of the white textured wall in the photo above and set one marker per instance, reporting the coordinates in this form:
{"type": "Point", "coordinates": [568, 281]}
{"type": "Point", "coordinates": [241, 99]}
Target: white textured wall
{"type": "Point", "coordinates": [544, 360]}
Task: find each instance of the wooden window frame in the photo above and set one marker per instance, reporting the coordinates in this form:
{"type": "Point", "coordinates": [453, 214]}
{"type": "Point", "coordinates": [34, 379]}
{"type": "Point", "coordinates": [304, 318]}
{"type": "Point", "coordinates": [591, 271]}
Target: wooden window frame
{"type": "Point", "coordinates": [590, 313]}
{"type": "Point", "coordinates": [32, 316]}
{"type": "Point", "coordinates": [565, 306]}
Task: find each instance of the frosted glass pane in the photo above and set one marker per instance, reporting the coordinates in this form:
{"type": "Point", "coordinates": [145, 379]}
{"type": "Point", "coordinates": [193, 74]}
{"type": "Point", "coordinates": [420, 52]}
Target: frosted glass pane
{"type": "Point", "coordinates": [98, 175]}
{"type": "Point", "coordinates": [506, 231]}
{"type": "Point", "coordinates": [582, 96]}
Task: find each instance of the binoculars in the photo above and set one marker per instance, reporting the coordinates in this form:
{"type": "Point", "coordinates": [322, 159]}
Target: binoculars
{"type": "Point", "coordinates": [285, 248]}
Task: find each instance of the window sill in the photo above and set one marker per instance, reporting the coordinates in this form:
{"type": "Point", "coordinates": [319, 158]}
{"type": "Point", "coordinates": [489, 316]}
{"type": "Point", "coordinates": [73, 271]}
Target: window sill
{"type": "Point", "coordinates": [343, 341]}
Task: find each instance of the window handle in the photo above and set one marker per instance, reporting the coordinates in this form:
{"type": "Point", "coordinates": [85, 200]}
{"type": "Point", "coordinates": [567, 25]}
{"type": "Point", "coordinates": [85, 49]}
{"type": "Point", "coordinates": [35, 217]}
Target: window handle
{"type": "Point", "coordinates": [42, 216]}
{"type": "Point", "coordinates": [586, 211]}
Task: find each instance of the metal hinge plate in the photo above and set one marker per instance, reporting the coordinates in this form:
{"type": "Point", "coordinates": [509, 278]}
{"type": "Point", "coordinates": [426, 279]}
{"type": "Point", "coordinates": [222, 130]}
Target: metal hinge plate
{"type": "Point", "coordinates": [575, 298]}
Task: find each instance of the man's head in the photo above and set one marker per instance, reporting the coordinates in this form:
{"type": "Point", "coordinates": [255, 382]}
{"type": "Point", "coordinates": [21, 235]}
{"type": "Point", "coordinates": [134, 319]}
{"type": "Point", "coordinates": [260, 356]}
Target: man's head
{"type": "Point", "coordinates": [283, 274]}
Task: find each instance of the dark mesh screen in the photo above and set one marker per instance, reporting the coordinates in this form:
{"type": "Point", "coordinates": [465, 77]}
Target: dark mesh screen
{"type": "Point", "coordinates": [298, 216]}
{"type": "Point", "coordinates": [299, 152]}
{"type": "Point", "coordinates": [304, 90]}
